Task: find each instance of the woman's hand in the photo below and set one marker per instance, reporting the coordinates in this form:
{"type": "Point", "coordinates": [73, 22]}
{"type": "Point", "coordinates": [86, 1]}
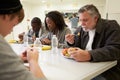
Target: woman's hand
{"type": "Point", "coordinates": [46, 41]}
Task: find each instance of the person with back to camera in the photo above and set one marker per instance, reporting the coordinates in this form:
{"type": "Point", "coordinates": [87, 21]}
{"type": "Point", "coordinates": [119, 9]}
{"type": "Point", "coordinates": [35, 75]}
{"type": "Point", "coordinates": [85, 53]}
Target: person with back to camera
{"type": "Point", "coordinates": [11, 66]}
{"type": "Point", "coordinates": [102, 43]}
{"type": "Point", "coordinates": [55, 24]}
{"type": "Point", "coordinates": [36, 31]}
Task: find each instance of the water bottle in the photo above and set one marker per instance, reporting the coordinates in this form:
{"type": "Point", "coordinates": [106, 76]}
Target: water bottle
{"type": "Point", "coordinates": [54, 44]}
{"type": "Point", "coordinates": [37, 43]}
{"type": "Point", "coordinates": [25, 40]}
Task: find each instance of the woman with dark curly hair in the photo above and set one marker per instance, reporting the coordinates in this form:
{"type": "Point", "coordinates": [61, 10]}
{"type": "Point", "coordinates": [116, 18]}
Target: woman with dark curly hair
{"type": "Point", "coordinates": [55, 24]}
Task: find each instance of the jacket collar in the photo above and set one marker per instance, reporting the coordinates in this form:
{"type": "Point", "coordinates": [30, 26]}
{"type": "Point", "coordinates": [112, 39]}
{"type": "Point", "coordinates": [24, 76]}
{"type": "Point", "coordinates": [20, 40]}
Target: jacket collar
{"type": "Point", "coordinates": [99, 26]}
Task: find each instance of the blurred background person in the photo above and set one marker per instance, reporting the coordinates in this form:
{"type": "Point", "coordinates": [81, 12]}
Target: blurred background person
{"type": "Point", "coordinates": [55, 24]}
{"type": "Point", "coordinates": [36, 31]}
{"type": "Point", "coordinates": [74, 22]}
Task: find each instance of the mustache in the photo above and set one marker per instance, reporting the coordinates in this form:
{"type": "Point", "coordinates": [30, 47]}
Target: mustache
{"type": "Point", "coordinates": [85, 29]}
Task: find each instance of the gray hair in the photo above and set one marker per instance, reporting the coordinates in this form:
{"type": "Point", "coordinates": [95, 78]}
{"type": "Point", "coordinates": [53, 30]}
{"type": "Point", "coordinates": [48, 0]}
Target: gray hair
{"type": "Point", "coordinates": [91, 9]}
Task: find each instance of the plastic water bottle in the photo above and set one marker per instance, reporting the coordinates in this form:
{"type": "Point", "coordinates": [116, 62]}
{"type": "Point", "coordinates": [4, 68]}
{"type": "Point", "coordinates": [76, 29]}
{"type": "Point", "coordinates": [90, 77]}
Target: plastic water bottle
{"type": "Point", "coordinates": [25, 40]}
{"type": "Point", "coordinates": [37, 43]}
{"type": "Point", "coordinates": [54, 44]}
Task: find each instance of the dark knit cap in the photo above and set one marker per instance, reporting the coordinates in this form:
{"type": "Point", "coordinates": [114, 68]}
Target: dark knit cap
{"type": "Point", "coordinates": [9, 6]}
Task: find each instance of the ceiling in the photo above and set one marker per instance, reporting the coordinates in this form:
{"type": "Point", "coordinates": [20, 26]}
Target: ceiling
{"type": "Point", "coordinates": [53, 1]}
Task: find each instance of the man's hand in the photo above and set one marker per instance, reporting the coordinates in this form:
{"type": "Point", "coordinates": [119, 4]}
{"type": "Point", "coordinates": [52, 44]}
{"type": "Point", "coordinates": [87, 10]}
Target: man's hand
{"type": "Point", "coordinates": [33, 38]}
{"type": "Point", "coordinates": [69, 38]}
{"type": "Point", "coordinates": [80, 55]}
{"type": "Point", "coordinates": [32, 55]}
{"type": "Point", "coordinates": [24, 56]}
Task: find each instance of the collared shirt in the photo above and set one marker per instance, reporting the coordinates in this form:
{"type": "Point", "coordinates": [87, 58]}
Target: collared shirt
{"type": "Point", "coordinates": [91, 34]}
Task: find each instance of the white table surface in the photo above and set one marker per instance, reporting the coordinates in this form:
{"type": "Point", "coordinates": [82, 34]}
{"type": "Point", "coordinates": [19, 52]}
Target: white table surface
{"type": "Point", "coordinates": [57, 67]}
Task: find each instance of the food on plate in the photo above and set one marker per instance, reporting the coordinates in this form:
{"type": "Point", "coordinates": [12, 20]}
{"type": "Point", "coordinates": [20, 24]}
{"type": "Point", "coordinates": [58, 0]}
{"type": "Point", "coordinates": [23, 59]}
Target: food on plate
{"type": "Point", "coordinates": [64, 52]}
{"type": "Point", "coordinates": [70, 50]}
{"type": "Point", "coordinates": [67, 51]}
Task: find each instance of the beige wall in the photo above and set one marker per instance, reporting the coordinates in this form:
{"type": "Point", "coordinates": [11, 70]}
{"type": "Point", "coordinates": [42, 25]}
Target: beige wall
{"type": "Point", "coordinates": [113, 9]}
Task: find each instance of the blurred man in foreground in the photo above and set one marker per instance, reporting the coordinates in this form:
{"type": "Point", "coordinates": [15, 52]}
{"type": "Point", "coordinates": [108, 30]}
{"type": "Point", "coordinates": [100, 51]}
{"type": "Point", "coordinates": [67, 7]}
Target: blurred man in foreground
{"type": "Point", "coordinates": [11, 66]}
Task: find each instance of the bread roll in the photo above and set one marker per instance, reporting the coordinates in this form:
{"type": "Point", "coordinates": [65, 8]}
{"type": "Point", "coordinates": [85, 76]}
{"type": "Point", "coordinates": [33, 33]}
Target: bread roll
{"type": "Point", "coordinates": [70, 50]}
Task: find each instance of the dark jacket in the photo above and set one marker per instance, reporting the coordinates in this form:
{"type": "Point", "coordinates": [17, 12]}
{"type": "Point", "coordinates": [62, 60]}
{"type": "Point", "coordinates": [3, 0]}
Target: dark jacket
{"type": "Point", "coordinates": [105, 46]}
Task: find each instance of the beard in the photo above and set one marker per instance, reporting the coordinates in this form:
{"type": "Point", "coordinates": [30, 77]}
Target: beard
{"type": "Point", "coordinates": [85, 28]}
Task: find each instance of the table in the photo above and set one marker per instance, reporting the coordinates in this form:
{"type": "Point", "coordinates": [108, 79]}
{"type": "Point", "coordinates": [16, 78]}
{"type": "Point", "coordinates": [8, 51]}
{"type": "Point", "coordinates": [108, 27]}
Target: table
{"type": "Point", "coordinates": [57, 67]}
